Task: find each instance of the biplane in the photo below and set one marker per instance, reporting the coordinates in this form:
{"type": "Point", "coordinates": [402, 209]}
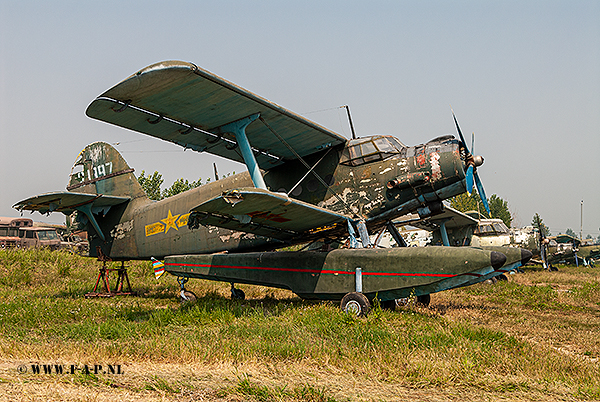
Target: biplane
{"type": "Point", "coordinates": [304, 184]}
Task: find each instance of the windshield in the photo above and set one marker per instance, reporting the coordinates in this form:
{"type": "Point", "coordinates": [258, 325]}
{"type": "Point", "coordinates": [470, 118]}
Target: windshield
{"type": "Point", "coordinates": [371, 149]}
{"type": "Point", "coordinates": [47, 235]}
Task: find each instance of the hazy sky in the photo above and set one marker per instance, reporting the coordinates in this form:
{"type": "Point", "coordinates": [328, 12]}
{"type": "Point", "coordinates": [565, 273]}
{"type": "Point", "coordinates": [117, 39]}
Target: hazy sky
{"type": "Point", "coordinates": [523, 75]}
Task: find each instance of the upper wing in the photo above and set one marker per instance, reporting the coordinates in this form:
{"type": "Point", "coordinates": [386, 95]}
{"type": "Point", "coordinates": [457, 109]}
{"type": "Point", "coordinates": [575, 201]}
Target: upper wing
{"type": "Point", "coordinates": [268, 214]}
{"type": "Point", "coordinates": [179, 102]}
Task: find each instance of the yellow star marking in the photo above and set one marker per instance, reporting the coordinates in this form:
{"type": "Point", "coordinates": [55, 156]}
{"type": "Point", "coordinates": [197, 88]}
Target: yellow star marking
{"type": "Point", "coordinates": [170, 222]}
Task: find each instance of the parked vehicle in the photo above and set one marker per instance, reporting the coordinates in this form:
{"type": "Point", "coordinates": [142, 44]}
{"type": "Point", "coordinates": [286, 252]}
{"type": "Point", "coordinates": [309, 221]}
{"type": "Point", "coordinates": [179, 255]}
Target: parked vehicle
{"type": "Point", "coordinates": [21, 232]}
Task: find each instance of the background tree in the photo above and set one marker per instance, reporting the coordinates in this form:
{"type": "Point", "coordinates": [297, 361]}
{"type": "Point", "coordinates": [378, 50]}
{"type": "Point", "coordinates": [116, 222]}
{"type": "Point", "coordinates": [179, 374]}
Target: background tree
{"type": "Point", "coordinates": [570, 232]}
{"type": "Point", "coordinates": [465, 203]}
{"type": "Point", "coordinates": [499, 209]}
{"type": "Point", "coordinates": [179, 186]}
{"type": "Point", "coordinates": [151, 185]}
{"type": "Point", "coordinates": [538, 223]}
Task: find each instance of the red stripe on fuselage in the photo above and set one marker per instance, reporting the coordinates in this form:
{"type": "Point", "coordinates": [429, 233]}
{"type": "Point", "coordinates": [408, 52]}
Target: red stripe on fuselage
{"type": "Point", "coordinates": [309, 271]}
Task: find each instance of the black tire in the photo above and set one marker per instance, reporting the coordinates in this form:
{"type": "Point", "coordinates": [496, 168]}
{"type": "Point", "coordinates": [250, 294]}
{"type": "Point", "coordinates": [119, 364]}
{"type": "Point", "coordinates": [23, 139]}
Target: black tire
{"type": "Point", "coordinates": [355, 303]}
{"type": "Point", "coordinates": [188, 297]}
{"type": "Point", "coordinates": [238, 294]}
{"type": "Point", "coordinates": [502, 277]}
{"type": "Point", "coordinates": [423, 300]}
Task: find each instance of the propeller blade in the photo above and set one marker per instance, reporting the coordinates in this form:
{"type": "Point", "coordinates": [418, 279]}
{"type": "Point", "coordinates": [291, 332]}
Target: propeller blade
{"type": "Point", "coordinates": [460, 132]}
{"type": "Point", "coordinates": [473, 142]}
{"type": "Point", "coordinates": [482, 194]}
{"type": "Point", "coordinates": [469, 175]}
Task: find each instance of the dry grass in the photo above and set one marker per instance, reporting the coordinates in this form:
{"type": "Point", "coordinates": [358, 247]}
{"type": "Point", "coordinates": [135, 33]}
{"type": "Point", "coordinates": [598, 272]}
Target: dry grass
{"type": "Point", "coordinates": [533, 338]}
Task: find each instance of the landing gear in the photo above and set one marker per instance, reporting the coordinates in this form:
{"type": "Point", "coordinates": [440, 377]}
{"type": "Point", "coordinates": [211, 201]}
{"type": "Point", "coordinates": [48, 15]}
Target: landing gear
{"type": "Point", "coordinates": [237, 294]}
{"type": "Point", "coordinates": [185, 295]}
{"type": "Point", "coordinates": [355, 303]}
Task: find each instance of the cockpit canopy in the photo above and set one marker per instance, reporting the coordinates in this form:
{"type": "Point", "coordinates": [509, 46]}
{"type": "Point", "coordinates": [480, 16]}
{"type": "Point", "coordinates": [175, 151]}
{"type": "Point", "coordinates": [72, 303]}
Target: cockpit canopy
{"type": "Point", "coordinates": [491, 229]}
{"type": "Point", "coordinates": [371, 149]}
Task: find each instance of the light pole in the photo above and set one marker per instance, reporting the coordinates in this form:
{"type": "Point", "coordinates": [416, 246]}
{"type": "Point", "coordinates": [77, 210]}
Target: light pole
{"type": "Point", "coordinates": [581, 223]}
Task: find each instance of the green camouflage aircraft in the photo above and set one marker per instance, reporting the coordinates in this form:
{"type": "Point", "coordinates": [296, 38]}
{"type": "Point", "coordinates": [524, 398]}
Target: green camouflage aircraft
{"type": "Point", "coordinates": [304, 183]}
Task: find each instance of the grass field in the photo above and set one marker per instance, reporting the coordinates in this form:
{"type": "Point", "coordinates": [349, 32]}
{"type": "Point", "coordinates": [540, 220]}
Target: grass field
{"type": "Point", "coordinates": [533, 338]}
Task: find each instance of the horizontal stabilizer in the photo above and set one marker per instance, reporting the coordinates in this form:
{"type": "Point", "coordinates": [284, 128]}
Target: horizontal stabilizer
{"type": "Point", "coordinates": [181, 103]}
{"type": "Point", "coordinates": [266, 213]}
{"type": "Point", "coordinates": [68, 202]}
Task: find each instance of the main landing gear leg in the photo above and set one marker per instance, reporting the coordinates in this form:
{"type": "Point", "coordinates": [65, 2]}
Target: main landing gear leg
{"type": "Point", "coordinates": [237, 294]}
{"type": "Point", "coordinates": [185, 295]}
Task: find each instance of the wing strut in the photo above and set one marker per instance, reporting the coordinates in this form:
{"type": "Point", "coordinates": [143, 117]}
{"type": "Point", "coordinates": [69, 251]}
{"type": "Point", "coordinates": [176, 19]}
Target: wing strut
{"type": "Point", "coordinates": [310, 170]}
{"type": "Point", "coordinates": [238, 128]}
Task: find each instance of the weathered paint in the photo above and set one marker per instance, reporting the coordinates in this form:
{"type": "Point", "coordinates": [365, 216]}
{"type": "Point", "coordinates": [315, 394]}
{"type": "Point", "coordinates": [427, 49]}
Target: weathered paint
{"type": "Point", "coordinates": [389, 273]}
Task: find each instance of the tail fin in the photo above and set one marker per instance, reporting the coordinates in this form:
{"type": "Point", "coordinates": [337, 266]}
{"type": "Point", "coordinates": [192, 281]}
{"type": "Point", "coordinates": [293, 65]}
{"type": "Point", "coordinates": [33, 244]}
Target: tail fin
{"type": "Point", "coordinates": [100, 169]}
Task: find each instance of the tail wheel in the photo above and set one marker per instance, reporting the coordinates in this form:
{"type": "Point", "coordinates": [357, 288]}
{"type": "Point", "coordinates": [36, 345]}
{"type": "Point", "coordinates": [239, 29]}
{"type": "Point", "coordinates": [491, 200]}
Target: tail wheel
{"type": "Point", "coordinates": [355, 303]}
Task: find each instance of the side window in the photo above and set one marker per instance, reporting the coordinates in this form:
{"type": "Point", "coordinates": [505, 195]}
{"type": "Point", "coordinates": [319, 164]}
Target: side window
{"type": "Point", "coordinates": [30, 234]}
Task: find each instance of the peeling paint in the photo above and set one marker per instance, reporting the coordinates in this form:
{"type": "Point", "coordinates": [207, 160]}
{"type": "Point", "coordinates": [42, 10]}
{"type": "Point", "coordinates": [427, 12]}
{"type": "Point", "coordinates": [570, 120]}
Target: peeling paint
{"type": "Point", "coordinates": [121, 230]}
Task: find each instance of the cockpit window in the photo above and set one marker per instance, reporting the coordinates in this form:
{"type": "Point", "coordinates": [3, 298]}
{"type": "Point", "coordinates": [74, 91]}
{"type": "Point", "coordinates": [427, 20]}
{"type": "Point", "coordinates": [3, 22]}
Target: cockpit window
{"type": "Point", "coordinates": [371, 149]}
{"type": "Point", "coordinates": [500, 228]}
{"type": "Point", "coordinates": [490, 229]}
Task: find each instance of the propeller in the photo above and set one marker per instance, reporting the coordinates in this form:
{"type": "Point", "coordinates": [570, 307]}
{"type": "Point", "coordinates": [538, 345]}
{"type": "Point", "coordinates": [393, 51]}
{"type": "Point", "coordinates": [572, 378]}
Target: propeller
{"type": "Point", "coordinates": [472, 162]}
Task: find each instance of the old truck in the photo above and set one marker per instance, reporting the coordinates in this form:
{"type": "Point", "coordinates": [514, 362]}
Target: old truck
{"type": "Point", "coordinates": [21, 232]}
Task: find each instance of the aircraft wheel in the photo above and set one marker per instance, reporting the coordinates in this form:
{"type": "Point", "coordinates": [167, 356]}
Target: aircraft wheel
{"type": "Point", "coordinates": [188, 297]}
{"type": "Point", "coordinates": [502, 277]}
{"type": "Point", "coordinates": [424, 300]}
{"type": "Point", "coordinates": [355, 303]}
{"type": "Point", "coordinates": [238, 294]}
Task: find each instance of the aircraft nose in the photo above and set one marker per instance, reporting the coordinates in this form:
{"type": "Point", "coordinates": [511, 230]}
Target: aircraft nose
{"type": "Point", "coordinates": [525, 256]}
{"type": "Point", "coordinates": [498, 259]}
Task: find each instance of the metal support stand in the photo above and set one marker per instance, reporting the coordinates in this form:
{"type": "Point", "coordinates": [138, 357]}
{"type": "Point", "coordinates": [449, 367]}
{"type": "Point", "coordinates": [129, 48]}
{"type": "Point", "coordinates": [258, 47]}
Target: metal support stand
{"type": "Point", "coordinates": [122, 280]}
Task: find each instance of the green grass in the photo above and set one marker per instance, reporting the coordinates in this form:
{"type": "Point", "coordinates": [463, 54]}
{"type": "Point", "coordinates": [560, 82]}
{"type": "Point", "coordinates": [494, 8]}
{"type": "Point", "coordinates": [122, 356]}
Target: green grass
{"type": "Point", "coordinates": [44, 316]}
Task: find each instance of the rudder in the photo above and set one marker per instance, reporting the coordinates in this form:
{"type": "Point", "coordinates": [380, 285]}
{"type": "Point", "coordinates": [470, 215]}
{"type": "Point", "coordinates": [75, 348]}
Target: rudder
{"type": "Point", "coordinates": [100, 169]}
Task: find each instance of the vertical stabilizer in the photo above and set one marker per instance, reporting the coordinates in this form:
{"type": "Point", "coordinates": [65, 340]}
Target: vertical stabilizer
{"type": "Point", "coordinates": [100, 169]}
